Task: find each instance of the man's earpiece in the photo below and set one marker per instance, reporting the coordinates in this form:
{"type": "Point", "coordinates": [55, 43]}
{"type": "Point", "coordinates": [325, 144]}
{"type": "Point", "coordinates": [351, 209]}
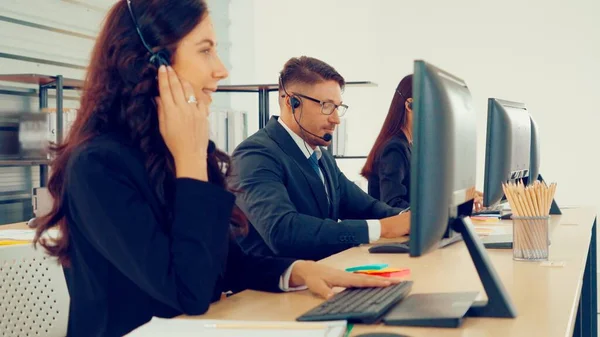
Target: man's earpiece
{"type": "Point", "coordinates": [294, 102]}
{"type": "Point", "coordinates": [410, 105]}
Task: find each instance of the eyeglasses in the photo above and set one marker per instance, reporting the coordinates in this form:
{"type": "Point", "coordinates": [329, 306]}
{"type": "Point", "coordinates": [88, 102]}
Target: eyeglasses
{"type": "Point", "coordinates": [327, 108]}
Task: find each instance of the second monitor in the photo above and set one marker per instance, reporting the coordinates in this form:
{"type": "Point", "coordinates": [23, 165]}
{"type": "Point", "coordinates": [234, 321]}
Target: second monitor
{"type": "Point", "coordinates": [508, 147]}
{"type": "Point", "coordinates": [512, 150]}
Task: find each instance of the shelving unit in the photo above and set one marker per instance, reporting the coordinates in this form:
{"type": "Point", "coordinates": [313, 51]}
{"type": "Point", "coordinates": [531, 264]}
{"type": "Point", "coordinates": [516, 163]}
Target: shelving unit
{"type": "Point", "coordinates": [23, 162]}
{"type": "Point", "coordinates": [58, 82]}
{"type": "Point", "coordinates": [45, 83]}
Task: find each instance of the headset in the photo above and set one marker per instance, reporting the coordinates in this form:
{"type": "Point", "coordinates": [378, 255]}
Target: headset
{"type": "Point", "coordinates": [405, 99]}
{"type": "Point", "coordinates": [159, 58]}
{"type": "Point", "coordinates": [295, 104]}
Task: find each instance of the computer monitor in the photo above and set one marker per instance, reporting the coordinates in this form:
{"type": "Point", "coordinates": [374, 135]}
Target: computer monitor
{"type": "Point", "coordinates": [443, 161]}
{"type": "Point", "coordinates": [511, 144]}
{"type": "Point", "coordinates": [443, 173]}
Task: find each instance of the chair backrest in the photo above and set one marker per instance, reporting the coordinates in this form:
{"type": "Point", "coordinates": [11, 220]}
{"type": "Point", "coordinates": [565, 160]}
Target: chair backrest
{"type": "Point", "coordinates": [34, 300]}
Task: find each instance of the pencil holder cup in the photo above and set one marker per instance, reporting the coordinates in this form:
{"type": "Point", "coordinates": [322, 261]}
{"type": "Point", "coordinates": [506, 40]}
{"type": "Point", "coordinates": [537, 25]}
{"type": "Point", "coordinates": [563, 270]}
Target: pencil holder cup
{"type": "Point", "coordinates": [531, 238]}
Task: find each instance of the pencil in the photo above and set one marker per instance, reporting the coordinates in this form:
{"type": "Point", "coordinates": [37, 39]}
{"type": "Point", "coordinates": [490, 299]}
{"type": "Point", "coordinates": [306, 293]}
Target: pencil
{"type": "Point", "coordinates": [518, 236]}
{"type": "Point", "coordinates": [533, 223]}
{"type": "Point", "coordinates": [532, 204]}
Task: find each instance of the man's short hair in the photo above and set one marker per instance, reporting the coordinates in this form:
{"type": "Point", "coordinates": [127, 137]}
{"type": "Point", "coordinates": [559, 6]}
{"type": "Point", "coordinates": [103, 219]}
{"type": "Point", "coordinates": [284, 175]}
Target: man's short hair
{"type": "Point", "coordinates": [308, 70]}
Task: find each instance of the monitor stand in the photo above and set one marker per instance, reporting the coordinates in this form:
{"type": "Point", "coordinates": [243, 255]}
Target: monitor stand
{"type": "Point", "coordinates": [554, 209]}
{"type": "Point", "coordinates": [448, 309]}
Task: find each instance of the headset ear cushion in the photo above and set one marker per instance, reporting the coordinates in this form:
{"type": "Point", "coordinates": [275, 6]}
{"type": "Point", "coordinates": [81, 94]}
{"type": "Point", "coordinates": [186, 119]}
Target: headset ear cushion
{"type": "Point", "coordinates": [161, 57]}
{"type": "Point", "coordinates": [294, 102]}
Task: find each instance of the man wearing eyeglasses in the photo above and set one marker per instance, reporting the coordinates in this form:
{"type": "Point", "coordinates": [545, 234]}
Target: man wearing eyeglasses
{"type": "Point", "coordinates": [297, 200]}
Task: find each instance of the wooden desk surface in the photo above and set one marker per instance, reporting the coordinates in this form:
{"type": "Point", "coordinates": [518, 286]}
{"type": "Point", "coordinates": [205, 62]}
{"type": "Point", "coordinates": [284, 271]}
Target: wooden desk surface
{"type": "Point", "coordinates": [18, 225]}
{"type": "Point", "coordinates": [546, 298]}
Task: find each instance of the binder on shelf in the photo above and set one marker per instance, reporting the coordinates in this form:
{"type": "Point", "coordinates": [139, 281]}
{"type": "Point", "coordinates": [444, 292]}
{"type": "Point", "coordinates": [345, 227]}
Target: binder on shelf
{"type": "Point", "coordinates": [69, 115]}
{"type": "Point", "coordinates": [218, 128]}
{"type": "Point", "coordinates": [340, 138]}
{"type": "Point", "coordinates": [22, 136]}
{"type": "Point", "coordinates": [237, 129]}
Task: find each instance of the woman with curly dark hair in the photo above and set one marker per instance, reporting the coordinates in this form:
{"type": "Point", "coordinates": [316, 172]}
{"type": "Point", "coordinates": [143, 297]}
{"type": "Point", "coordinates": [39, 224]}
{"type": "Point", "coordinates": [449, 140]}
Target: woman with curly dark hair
{"type": "Point", "coordinates": [141, 202]}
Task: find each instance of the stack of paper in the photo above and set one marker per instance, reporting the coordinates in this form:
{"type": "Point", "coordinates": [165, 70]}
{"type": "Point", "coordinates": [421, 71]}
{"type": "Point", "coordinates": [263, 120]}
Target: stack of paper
{"type": "Point", "coordinates": [225, 328]}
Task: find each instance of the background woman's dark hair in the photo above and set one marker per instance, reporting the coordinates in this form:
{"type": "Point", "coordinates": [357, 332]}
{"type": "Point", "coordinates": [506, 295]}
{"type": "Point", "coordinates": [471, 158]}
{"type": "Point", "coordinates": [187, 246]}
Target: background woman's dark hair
{"type": "Point", "coordinates": [117, 97]}
{"type": "Point", "coordinates": [394, 124]}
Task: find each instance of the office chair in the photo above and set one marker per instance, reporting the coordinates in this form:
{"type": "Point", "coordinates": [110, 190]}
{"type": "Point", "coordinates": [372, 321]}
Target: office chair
{"type": "Point", "coordinates": [33, 293]}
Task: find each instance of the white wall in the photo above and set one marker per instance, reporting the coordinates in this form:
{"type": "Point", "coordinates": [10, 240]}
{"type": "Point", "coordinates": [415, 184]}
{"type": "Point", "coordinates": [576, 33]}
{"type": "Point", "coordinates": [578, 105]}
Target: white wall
{"type": "Point", "coordinates": [543, 53]}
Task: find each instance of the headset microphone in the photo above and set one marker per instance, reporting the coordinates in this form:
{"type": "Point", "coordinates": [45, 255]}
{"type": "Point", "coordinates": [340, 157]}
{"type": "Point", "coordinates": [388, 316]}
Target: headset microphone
{"type": "Point", "coordinates": [326, 137]}
{"type": "Point", "coordinates": [295, 103]}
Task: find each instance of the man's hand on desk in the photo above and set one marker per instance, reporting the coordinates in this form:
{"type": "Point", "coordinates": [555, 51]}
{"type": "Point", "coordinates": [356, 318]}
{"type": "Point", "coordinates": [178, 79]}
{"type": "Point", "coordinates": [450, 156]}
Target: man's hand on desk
{"type": "Point", "coordinates": [320, 279]}
{"type": "Point", "coordinates": [395, 226]}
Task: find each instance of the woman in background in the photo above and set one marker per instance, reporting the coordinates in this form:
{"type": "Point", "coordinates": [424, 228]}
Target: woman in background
{"type": "Point", "coordinates": [388, 165]}
{"type": "Point", "coordinates": [140, 200]}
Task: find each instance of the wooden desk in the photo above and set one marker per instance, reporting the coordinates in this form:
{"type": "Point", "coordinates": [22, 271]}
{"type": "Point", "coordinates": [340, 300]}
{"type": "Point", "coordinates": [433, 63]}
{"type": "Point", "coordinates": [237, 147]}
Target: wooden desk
{"type": "Point", "coordinates": [547, 298]}
{"type": "Point", "coordinates": [18, 225]}
{"type": "Point", "coordinates": [550, 302]}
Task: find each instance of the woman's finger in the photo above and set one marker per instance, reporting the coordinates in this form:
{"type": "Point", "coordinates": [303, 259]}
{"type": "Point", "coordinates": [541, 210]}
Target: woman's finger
{"type": "Point", "coordinates": [160, 110]}
{"type": "Point", "coordinates": [346, 279]}
{"type": "Point", "coordinates": [188, 92]}
{"type": "Point", "coordinates": [321, 288]}
{"type": "Point", "coordinates": [372, 281]}
{"type": "Point", "coordinates": [164, 88]}
{"type": "Point", "coordinates": [176, 88]}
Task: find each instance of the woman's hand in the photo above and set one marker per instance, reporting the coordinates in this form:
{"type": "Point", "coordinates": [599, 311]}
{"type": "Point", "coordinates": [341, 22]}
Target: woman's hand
{"type": "Point", "coordinates": [183, 124]}
{"type": "Point", "coordinates": [320, 279]}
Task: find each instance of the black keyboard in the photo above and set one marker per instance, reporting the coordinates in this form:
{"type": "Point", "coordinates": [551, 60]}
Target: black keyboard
{"type": "Point", "coordinates": [486, 212]}
{"type": "Point", "coordinates": [359, 305]}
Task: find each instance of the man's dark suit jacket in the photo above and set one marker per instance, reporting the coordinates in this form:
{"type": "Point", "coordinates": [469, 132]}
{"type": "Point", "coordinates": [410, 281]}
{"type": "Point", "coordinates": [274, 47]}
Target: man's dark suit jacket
{"type": "Point", "coordinates": [286, 202]}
